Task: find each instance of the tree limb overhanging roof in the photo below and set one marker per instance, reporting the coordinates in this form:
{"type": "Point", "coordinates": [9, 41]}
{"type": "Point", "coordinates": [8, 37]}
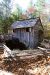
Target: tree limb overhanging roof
{"type": "Point", "coordinates": [24, 23]}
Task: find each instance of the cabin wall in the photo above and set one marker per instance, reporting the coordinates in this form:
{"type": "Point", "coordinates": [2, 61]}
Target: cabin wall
{"type": "Point", "coordinates": [36, 38]}
{"type": "Point", "coordinates": [27, 37]}
{"type": "Point", "coordinates": [30, 38]}
{"type": "Point", "coordinates": [22, 35]}
{"type": "Point", "coordinates": [33, 37]}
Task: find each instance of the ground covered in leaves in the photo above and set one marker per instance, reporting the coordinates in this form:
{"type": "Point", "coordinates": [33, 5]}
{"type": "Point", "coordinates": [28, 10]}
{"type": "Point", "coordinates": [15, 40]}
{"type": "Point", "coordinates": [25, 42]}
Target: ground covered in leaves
{"type": "Point", "coordinates": [26, 62]}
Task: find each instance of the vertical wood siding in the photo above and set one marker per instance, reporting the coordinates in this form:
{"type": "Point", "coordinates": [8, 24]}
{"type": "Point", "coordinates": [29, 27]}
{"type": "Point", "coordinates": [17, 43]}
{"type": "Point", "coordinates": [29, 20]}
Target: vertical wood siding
{"type": "Point", "coordinates": [35, 38]}
{"type": "Point", "coordinates": [24, 36]}
{"type": "Point", "coordinates": [29, 38]}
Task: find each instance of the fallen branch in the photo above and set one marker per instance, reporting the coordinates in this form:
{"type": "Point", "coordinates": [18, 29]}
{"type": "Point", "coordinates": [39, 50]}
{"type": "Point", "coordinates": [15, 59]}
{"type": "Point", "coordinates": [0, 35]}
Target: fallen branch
{"type": "Point", "coordinates": [7, 51]}
{"type": "Point", "coordinates": [44, 52]}
{"type": "Point", "coordinates": [42, 48]}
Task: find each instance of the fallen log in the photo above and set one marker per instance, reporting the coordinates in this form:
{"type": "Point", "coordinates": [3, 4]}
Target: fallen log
{"type": "Point", "coordinates": [42, 48]}
{"type": "Point", "coordinates": [7, 51]}
{"type": "Point", "coordinates": [44, 51]}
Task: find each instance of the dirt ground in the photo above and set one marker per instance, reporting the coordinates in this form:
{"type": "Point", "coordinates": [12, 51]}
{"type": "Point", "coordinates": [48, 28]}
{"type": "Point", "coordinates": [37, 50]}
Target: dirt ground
{"type": "Point", "coordinates": [26, 62]}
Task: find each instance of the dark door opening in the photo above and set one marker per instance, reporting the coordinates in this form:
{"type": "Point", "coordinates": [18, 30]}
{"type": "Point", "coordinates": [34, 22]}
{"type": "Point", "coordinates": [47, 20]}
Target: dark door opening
{"type": "Point", "coordinates": [15, 44]}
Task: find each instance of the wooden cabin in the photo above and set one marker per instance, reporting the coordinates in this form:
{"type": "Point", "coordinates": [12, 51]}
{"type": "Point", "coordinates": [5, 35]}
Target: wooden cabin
{"type": "Point", "coordinates": [30, 31]}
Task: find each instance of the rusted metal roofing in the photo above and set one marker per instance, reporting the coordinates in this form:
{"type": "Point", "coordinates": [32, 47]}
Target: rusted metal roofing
{"type": "Point", "coordinates": [24, 23]}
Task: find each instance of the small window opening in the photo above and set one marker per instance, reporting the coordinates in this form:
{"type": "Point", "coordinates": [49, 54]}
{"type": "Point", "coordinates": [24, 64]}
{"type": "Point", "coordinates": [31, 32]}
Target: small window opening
{"type": "Point", "coordinates": [14, 30]}
{"type": "Point", "coordinates": [27, 29]}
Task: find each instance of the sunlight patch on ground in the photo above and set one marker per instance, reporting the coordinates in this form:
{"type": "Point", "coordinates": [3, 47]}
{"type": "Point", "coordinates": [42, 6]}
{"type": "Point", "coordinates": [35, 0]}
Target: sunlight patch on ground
{"type": "Point", "coordinates": [5, 73]}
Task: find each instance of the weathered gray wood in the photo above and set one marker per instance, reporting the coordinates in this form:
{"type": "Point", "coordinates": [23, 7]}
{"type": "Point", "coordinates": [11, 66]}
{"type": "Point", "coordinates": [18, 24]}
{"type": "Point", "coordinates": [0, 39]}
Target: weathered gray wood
{"type": "Point", "coordinates": [31, 38]}
{"type": "Point", "coordinates": [7, 51]}
{"type": "Point", "coordinates": [35, 37]}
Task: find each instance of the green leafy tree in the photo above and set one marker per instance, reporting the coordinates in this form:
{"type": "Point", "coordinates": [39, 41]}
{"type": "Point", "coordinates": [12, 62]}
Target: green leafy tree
{"type": "Point", "coordinates": [17, 13]}
{"type": "Point", "coordinates": [5, 7]}
{"type": "Point", "coordinates": [32, 13]}
{"type": "Point", "coordinates": [6, 23]}
{"type": "Point", "coordinates": [5, 13]}
{"type": "Point", "coordinates": [40, 4]}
